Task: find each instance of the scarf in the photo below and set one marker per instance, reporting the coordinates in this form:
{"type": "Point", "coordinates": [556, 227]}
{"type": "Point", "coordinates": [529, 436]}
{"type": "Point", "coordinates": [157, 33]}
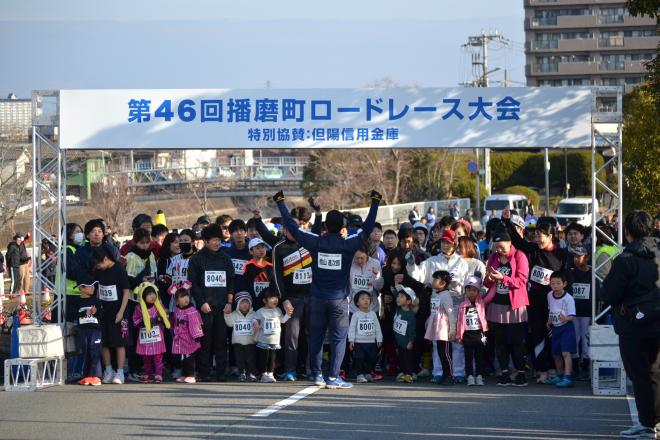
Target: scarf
{"type": "Point", "coordinates": [145, 311]}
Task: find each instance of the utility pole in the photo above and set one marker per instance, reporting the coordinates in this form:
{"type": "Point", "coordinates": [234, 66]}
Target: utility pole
{"type": "Point", "coordinates": [481, 42]}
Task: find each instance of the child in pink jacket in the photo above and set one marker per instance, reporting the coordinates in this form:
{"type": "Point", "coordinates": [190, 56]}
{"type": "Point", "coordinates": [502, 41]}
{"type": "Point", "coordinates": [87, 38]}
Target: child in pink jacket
{"type": "Point", "coordinates": [441, 324]}
{"type": "Point", "coordinates": [187, 331]}
{"type": "Point", "coordinates": [470, 330]}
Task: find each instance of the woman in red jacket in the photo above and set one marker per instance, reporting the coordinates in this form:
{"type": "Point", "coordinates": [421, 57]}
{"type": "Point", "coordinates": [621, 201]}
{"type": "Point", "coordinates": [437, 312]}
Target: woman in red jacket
{"type": "Point", "coordinates": [506, 279]}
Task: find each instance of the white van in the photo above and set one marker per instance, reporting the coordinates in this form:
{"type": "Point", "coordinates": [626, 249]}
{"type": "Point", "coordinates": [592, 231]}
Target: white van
{"type": "Point", "coordinates": [576, 210]}
{"type": "Point", "coordinates": [498, 202]}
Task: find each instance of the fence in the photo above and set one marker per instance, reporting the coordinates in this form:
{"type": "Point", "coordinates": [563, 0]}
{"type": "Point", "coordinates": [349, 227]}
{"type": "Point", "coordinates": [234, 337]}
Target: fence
{"type": "Point", "coordinates": [396, 214]}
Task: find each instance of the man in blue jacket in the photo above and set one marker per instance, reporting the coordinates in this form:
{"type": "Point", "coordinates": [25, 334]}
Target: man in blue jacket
{"type": "Point", "coordinates": [332, 257]}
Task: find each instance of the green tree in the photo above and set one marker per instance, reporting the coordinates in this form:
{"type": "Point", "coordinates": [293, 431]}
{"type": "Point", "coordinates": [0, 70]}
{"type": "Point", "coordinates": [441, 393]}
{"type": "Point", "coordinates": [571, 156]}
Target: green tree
{"type": "Point", "coordinates": [641, 150]}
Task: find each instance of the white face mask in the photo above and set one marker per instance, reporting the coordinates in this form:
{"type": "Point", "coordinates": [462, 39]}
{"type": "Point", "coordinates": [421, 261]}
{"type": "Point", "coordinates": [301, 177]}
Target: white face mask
{"type": "Point", "coordinates": [78, 238]}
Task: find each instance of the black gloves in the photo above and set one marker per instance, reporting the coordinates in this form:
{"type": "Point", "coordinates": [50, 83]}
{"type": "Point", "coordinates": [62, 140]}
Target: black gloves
{"type": "Point", "coordinates": [375, 195]}
{"type": "Point", "coordinates": [279, 197]}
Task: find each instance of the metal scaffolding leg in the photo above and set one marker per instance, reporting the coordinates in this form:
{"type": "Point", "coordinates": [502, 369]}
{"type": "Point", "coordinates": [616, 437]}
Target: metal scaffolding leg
{"type": "Point", "coordinates": [606, 139]}
{"type": "Point", "coordinates": [48, 220]}
{"type": "Point", "coordinates": [48, 213]}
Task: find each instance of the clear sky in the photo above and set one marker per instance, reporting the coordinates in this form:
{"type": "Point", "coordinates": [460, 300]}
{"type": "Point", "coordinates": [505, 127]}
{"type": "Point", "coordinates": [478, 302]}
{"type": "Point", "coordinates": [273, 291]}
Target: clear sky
{"type": "Point", "coordinates": [46, 44]}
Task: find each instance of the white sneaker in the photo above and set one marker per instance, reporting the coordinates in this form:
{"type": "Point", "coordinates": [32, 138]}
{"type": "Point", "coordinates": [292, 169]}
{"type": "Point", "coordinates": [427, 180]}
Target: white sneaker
{"type": "Point", "coordinates": [399, 376]}
{"type": "Point", "coordinates": [424, 373]}
{"type": "Point", "coordinates": [107, 376]}
{"type": "Point", "coordinates": [361, 379]}
{"type": "Point", "coordinates": [470, 381]}
{"type": "Point", "coordinates": [638, 431]}
{"type": "Point", "coordinates": [479, 381]}
{"type": "Point", "coordinates": [369, 377]}
{"type": "Point", "coordinates": [118, 378]}
{"type": "Point", "coordinates": [267, 378]}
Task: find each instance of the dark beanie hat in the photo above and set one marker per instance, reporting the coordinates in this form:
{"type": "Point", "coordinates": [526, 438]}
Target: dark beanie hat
{"type": "Point", "coordinates": [501, 234]}
{"type": "Point", "coordinates": [334, 221]}
{"type": "Point", "coordinates": [96, 223]}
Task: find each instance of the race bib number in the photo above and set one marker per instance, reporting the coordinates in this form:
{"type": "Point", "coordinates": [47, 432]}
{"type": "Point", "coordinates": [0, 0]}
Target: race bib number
{"type": "Point", "coordinates": [435, 306]}
{"type": "Point", "coordinates": [540, 275]}
{"type": "Point", "coordinates": [302, 276]}
{"type": "Point", "coordinates": [271, 326]}
{"type": "Point", "coordinates": [366, 327]}
{"type": "Point", "coordinates": [455, 277]}
{"type": "Point", "coordinates": [151, 337]}
{"type": "Point", "coordinates": [108, 293]}
{"type": "Point", "coordinates": [180, 272]}
{"type": "Point", "coordinates": [361, 283]}
{"type": "Point", "coordinates": [329, 261]}
{"type": "Point", "coordinates": [259, 286]}
{"type": "Point", "coordinates": [243, 327]}
{"type": "Point", "coordinates": [501, 288]}
{"type": "Point", "coordinates": [472, 320]}
{"type": "Point", "coordinates": [239, 266]}
{"type": "Point", "coordinates": [581, 290]}
{"type": "Point", "coordinates": [88, 318]}
{"type": "Point", "coordinates": [215, 278]}
{"type": "Point", "coordinates": [554, 318]}
{"type": "Point", "coordinates": [400, 326]}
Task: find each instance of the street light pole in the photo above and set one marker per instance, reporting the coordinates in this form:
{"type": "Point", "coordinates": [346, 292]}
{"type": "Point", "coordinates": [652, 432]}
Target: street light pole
{"type": "Point", "coordinates": [546, 166]}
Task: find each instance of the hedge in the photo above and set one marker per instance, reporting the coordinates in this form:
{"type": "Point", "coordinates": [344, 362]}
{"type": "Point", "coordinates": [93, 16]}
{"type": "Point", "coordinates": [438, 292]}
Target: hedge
{"type": "Point", "coordinates": [526, 169]}
{"type": "Point", "coordinates": [525, 191]}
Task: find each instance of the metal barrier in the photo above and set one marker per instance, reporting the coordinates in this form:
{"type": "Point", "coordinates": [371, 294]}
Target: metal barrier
{"type": "Point", "coordinates": [397, 214]}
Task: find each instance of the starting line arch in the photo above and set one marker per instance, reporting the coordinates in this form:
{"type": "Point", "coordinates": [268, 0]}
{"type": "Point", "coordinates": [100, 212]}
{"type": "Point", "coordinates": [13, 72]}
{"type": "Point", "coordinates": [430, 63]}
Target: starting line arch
{"type": "Point", "coordinates": [525, 117]}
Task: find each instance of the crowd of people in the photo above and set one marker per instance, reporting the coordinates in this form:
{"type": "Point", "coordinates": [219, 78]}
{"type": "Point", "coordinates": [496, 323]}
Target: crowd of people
{"type": "Point", "coordinates": [339, 297]}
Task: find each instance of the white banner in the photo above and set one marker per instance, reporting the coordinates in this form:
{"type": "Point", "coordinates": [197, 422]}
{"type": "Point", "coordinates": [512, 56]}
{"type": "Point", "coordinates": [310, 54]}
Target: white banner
{"type": "Point", "coordinates": [524, 117]}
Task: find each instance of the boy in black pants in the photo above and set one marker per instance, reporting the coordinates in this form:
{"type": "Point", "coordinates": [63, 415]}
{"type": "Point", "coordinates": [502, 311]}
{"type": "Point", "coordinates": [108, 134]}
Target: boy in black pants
{"type": "Point", "coordinates": [86, 311]}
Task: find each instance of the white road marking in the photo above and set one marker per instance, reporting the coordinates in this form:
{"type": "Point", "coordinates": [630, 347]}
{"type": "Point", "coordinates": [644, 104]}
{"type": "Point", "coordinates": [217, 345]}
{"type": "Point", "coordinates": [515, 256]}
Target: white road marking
{"type": "Point", "coordinates": [286, 402]}
{"type": "Point", "coordinates": [634, 415]}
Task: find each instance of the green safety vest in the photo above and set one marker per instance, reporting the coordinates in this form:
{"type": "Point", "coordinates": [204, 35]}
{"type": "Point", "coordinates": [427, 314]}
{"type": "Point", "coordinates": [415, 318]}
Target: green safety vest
{"type": "Point", "coordinates": [71, 288]}
{"type": "Point", "coordinates": [610, 250]}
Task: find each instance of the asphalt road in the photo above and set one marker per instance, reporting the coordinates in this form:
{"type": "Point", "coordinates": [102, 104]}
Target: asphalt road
{"type": "Point", "coordinates": [386, 410]}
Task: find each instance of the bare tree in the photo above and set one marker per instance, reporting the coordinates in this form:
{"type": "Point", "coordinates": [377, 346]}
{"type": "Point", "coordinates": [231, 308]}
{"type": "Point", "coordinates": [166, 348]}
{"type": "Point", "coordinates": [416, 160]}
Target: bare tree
{"type": "Point", "coordinates": [114, 201]}
{"type": "Point", "coordinates": [15, 176]}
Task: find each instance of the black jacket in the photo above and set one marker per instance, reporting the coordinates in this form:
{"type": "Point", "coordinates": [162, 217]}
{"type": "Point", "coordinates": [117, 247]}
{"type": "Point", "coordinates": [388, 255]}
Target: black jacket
{"type": "Point", "coordinates": [206, 270]}
{"type": "Point", "coordinates": [633, 280]}
{"type": "Point", "coordinates": [13, 255]}
{"type": "Point", "coordinates": [289, 257]}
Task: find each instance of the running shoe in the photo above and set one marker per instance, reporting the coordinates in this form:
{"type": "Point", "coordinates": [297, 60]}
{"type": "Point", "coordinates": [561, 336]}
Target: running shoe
{"type": "Point", "coordinates": [504, 380]}
{"type": "Point", "coordinates": [107, 376]}
{"type": "Point", "coordinates": [566, 382]}
{"type": "Point", "coordinates": [638, 431]}
{"type": "Point", "coordinates": [337, 383]}
{"type": "Point", "coordinates": [318, 380]}
{"type": "Point", "coordinates": [520, 380]}
{"type": "Point", "coordinates": [118, 378]}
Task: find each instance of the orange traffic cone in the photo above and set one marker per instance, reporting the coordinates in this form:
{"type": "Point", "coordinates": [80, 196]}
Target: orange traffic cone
{"type": "Point", "coordinates": [21, 298]}
{"type": "Point", "coordinates": [24, 317]}
{"type": "Point", "coordinates": [45, 296]}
